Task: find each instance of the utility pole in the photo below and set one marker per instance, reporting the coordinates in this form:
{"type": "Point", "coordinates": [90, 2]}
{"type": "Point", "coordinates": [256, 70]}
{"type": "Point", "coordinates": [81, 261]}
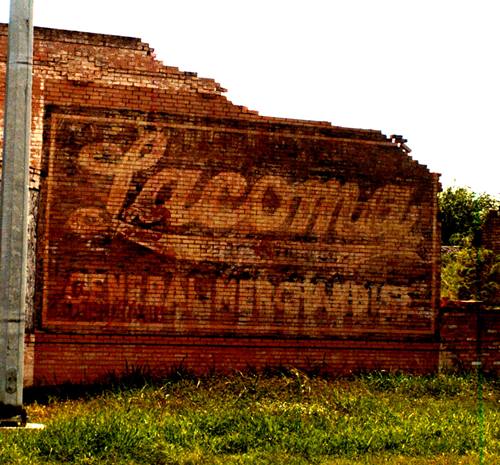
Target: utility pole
{"type": "Point", "coordinates": [14, 210]}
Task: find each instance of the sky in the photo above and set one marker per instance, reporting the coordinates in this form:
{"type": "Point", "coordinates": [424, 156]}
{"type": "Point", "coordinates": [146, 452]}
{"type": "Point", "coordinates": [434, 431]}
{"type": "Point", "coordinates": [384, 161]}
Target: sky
{"type": "Point", "coordinates": [426, 69]}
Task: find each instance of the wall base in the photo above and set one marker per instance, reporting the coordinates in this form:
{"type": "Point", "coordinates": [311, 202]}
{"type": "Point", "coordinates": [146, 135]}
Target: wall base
{"type": "Point", "coordinates": [89, 358]}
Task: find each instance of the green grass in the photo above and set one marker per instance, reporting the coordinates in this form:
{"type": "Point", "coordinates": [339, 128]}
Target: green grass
{"type": "Point", "coordinates": [288, 418]}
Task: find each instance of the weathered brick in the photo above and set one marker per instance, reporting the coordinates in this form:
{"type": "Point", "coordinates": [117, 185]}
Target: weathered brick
{"type": "Point", "coordinates": [177, 228]}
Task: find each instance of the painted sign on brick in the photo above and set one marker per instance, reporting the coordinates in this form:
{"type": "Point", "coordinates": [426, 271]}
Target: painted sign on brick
{"type": "Point", "coordinates": [158, 224]}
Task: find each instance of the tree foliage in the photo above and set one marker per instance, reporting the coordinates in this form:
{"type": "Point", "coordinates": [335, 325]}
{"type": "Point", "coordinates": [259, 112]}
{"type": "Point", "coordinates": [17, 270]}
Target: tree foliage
{"type": "Point", "coordinates": [468, 271]}
{"type": "Point", "coordinates": [462, 214]}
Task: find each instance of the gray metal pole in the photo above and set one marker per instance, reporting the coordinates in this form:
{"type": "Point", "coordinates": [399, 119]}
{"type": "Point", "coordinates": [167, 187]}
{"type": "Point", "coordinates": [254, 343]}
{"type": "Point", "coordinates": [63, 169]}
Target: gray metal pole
{"type": "Point", "coordinates": [14, 209]}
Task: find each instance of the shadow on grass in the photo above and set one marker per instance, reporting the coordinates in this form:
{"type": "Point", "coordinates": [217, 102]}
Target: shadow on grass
{"type": "Point", "coordinates": [436, 385]}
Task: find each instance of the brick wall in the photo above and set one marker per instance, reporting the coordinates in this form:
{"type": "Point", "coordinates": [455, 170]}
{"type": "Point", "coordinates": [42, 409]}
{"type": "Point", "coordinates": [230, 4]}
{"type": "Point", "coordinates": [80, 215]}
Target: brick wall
{"type": "Point", "coordinates": [469, 338]}
{"type": "Point", "coordinates": [174, 227]}
{"type": "Point", "coordinates": [491, 232]}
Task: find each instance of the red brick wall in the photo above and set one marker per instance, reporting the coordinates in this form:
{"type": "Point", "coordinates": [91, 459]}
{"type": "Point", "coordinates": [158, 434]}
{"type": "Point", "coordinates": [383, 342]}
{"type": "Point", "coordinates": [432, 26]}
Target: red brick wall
{"type": "Point", "coordinates": [85, 358]}
{"type": "Point", "coordinates": [491, 232]}
{"type": "Point", "coordinates": [175, 227]}
{"type": "Point", "coordinates": [241, 238]}
{"type": "Point", "coordinates": [469, 337]}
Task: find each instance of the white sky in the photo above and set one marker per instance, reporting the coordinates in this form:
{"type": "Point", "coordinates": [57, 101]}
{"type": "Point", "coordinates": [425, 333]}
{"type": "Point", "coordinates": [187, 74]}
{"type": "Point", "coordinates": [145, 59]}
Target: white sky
{"type": "Point", "coordinates": [426, 69]}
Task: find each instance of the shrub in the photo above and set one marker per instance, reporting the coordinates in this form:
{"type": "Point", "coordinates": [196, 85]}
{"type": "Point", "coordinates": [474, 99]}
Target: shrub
{"type": "Point", "coordinates": [470, 273]}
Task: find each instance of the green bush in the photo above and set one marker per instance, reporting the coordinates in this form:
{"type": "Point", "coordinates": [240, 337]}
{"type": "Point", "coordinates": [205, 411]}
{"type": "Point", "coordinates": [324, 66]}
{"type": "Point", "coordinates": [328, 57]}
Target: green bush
{"type": "Point", "coordinates": [462, 214]}
{"type": "Point", "coordinates": [470, 273]}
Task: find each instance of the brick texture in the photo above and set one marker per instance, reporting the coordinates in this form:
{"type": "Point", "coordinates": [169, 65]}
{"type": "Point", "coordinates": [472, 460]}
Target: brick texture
{"type": "Point", "coordinates": [490, 234]}
{"type": "Point", "coordinates": [469, 338]}
{"type": "Point", "coordinates": [175, 228]}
